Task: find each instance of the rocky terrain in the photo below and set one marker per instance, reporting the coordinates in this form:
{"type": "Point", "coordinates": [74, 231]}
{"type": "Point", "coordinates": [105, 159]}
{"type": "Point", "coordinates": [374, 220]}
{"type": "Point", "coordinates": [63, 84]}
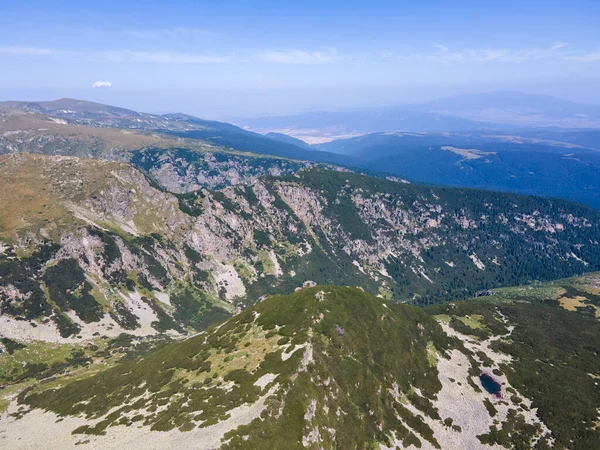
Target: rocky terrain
{"type": "Point", "coordinates": [331, 367]}
{"type": "Point", "coordinates": [144, 281]}
{"type": "Point", "coordinates": [98, 247]}
{"type": "Point", "coordinates": [182, 170]}
{"type": "Point", "coordinates": [81, 112]}
{"type": "Point", "coordinates": [179, 164]}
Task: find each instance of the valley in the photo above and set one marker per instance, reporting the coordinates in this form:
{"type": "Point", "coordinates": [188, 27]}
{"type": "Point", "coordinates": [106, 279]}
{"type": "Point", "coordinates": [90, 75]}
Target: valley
{"type": "Point", "coordinates": [300, 225]}
{"type": "Point", "coordinates": [129, 245]}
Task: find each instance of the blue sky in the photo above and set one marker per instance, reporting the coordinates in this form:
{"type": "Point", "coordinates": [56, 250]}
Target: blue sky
{"type": "Point", "coordinates": [251, 57]}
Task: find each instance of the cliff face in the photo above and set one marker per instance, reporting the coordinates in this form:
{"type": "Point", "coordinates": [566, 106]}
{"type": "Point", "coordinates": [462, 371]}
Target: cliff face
{"type": "Point", "coordinates": [88, 242]}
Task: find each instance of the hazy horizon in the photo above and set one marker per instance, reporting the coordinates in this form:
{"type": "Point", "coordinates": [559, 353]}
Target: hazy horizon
{"type": "Point", "coordinates": [225, 104]}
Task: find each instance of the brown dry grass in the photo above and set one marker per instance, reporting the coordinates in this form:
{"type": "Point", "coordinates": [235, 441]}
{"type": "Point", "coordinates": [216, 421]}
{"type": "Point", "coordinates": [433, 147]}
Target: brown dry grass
{"type": "Point", "coordinates": [32, 125]}
{"type": "Point", "coordinates": [572, 303]}
{"type": "Point", "coordinates": [33, 189]}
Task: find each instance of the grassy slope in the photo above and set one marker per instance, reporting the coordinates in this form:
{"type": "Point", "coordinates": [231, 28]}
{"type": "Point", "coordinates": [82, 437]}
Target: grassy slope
{"type": "Point", "coordinates": [356, 347]}
{"type": "Point", "coordinates": [556, 351]}
{"type": "Point", "coordinates": [361, 344]}
{"type": "Point", "coordinates": [40, 134]}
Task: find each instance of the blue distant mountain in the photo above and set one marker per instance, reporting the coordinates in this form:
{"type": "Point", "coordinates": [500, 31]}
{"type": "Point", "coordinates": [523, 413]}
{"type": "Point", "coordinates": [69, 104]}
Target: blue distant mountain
{"type": "Point", "coordinates": [365, 121]}
{"type": "Point", "coordinates": [544, 163]}
{"type": "Point", "coordinates": [499, 110]}
{"type": "Point", "coordinates": [516, 108]}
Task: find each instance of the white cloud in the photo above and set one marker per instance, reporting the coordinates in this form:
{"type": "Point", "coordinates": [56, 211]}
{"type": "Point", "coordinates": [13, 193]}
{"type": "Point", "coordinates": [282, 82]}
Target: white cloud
{"type": "Point", "coordinates": [173, 58]}
{"type": "Point", "coordinates": [299, 56]}
{"type": "Point", "coordinates": [102, 84]}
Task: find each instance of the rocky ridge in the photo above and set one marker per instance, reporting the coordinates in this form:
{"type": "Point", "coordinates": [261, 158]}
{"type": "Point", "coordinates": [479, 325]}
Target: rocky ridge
{"type": "Point", "coordinates": [141, 258]}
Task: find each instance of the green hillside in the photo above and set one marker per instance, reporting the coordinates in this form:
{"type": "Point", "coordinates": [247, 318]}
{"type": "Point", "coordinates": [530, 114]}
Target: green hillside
{"type": "Point", "coordinates": [97, 247]}
{"type": "Point", "coordinates": [334, 367]}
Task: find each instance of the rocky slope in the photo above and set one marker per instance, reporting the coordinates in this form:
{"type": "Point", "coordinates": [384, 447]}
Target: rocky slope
{"type": "Point", "coordinates": [179, 164]}
{"type": "Point", "coordinates": [183, 170]}
{"type": "Point", "coordinates": [81, 112]}
{"type": "Point", "coordinates": [330, 367]}
{"type": "Point", "coordinates": [96, 248]}
{"type": "Point", "coordinates": [26, 132]}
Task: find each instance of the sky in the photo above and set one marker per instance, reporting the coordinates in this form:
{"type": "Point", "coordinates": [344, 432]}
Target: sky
{"type": "Point", "coordinates": [227, 58]}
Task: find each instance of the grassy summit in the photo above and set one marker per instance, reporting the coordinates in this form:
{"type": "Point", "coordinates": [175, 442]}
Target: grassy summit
{"type": "Point", "coordinates": [338, 348]}
{"type": "Point", "coordinates": [334, 367]}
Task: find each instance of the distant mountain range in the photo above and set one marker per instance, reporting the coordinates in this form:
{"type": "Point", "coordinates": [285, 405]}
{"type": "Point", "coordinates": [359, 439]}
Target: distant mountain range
{"type": "Point", "coordinates": [517, 109]}
{"type": "Point", "coordinates": [323, 126]}
{"type": "Point", "coordinates": [167, 281]}
{"type": "Point", "coordinates": [500, 111]}
{"type": "Point", "coordinates": [546, 161]}
{"type": "Point", "coordinates": [540, 166]}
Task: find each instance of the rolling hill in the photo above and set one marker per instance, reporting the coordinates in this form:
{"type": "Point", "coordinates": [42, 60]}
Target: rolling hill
{"type": "Point", "coordinates": [333, 367]}
{"type": "Point", "coordinates": [542, 163]}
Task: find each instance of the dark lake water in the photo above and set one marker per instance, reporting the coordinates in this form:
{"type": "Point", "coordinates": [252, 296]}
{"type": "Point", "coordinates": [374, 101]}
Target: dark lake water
{"type": "Point", "coordinates": [489, 384]}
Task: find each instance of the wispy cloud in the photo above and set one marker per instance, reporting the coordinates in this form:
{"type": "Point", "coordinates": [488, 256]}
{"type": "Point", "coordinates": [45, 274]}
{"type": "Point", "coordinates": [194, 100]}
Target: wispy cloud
{"type": "Point", "coordinates": [163, 57]}
{"type": "Point", "coordinates": [172, 33]}
{"type": "Point", "coordinates": [168, 57]}
{"type": "Point", "coordinates": [585, 57]}
{"type": "Point", "coordinates": [26, 51]}
{"type": "Point", "coordinates": [116, 56]}
{"type": "Point", "coordinates": [299, 56]}
{"type": "Point", "coordinates": [102, 85]}
{"type": "Point", "coordinates": [445, 54]}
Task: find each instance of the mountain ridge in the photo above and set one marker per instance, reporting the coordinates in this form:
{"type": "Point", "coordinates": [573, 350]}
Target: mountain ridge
{"type": "Point", "coordinates": [143, 260]}
{"type": "Point", "coordinates": [534, 165]}
{"type": "Point", "coordinates": [535, 162]}
{"type": "Point", "coordinates": [508, 111]}
{"type": "Point", "coordinates": [335, 367]}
